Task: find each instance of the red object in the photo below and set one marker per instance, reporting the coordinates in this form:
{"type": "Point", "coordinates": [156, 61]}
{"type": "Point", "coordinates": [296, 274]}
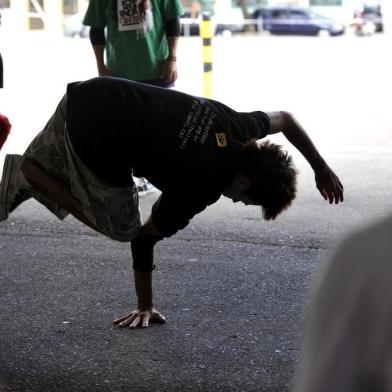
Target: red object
{"type": "Point", "coordinates": [5, 128]}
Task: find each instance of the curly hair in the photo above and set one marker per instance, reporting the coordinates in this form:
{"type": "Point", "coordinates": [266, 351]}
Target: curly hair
{"type": "Point", "coordinates": [272, 174]}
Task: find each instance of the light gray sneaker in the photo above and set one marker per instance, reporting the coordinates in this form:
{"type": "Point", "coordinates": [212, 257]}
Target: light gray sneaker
{"type": "Point", "coordinates": [14, 189]}
{"type": "Point", "coordinates": [143, 186]}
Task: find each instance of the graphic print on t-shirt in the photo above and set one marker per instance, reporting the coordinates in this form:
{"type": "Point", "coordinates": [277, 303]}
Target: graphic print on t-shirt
{"type": "Point", "coordinates": [221, 139]}
{"type": "Point", "coordinates": [198, 122]}
{"type": "Point", "coordinates": [130, 18]}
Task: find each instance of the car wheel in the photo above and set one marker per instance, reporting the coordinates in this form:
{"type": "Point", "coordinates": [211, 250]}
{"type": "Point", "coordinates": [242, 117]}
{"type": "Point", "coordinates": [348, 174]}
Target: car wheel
{"type": "Point", "coordinates": [323, 33]}
{"type": "Point", "coordinates": [369, 28]}
{"type": "Point", "coordinates": [227, 33]}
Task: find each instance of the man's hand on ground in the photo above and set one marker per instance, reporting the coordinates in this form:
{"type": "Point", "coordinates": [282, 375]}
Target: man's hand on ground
{"type": "Point", "coordinates": [140, 317]}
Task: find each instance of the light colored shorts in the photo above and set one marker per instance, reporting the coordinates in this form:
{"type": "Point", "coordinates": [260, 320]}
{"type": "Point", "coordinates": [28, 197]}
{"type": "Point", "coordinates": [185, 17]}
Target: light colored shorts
{"type": "Point", "coordinates": [114, 210]}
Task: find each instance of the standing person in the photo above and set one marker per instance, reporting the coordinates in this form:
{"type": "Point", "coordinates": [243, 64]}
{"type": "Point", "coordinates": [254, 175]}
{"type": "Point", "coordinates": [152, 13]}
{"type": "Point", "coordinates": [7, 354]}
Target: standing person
{"type": "Point", "coordinates": [106, 128]}
{"type": "Point", "coordinates": [348, 345]}
{"type": "Point", "coordinates": [141, 40]}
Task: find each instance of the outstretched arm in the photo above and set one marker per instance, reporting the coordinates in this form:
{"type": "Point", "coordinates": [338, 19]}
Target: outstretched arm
{"type": "Point", "coordinates": [327, 181]}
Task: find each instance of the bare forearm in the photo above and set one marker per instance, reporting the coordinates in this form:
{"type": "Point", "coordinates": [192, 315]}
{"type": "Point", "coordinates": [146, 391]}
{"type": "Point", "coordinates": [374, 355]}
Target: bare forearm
{"type": "Point", "coordinates": [298, 137]}
{"type": "Point", "coordinates": [99, 51]}
{"type": "Point", "coordinates": [327, 181]}
{"type": "Point", "coordinates": [294, 132]}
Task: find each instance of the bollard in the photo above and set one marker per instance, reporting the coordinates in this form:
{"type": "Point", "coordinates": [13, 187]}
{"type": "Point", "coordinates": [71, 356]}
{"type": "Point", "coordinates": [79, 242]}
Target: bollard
{"type": "Point", "coordinates": [206, 33]}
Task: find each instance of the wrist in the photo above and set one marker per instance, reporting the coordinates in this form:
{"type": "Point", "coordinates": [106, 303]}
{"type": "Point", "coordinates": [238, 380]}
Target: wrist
{"type": "Point", "coordinates": [101, 67]}
{"type": "Point", "coordinates": [171, 58]}
{"type": "Point", "coordinates": [320, 165]}
{"type": "Point", "coordinates": [145, 306]}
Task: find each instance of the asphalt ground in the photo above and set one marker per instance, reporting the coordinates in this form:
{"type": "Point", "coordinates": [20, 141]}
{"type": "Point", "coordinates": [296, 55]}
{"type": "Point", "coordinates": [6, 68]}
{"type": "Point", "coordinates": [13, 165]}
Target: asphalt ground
{"type": "Point", "coordinates": [234, 289]}
{"type": "Point", "coordinates": [233, 305]}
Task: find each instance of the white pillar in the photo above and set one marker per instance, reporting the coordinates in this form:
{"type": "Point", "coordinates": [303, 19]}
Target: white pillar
{"type": "Point", "coordinates": [20, 21]}
{"type": "Point", "coordinates": [53, 22]}
{"type": "Point", "coordinates": [82, 6]}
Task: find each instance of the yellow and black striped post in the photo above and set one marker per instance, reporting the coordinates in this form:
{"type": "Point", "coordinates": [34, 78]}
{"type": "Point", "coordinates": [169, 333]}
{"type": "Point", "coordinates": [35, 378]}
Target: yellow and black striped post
{"type": "Point", "coordinates": [206, 33]}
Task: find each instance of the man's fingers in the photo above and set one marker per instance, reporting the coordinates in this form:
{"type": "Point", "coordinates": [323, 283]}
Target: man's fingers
{"type": "Point", "coordinates": [332, 194]}
{"type": "Point", "coordinates": [338, 196]}
{"type": "Point", "coordinates": [143, 318]}
{"type": "Point", "coordinates": [341, 190]}
{"type": "Point", "coordinates": [127, 321]}
{"type": "Point", "coordinates": [158, 317]}
{"type": "Point", "coordinates": [122, 319]}
{"type": "Point", "coordinates": [330, 187]}
{"type": "Point", "coordinates": [135, 322]}
{"type": "Point", "coordinates": [340, 185]}
{"type": "Point", "coordinates": [338, 192]}
{"type": "Point", "coordinates": [146, 319]}
{"type": "Point", "coordinates": [323, 193]}
{"type": "Point", "coordinates": [337, 189]}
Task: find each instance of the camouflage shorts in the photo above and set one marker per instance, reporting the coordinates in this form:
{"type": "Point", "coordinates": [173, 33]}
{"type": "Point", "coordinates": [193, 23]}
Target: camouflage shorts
{"type": "Point", "coordinates": [114, 210]}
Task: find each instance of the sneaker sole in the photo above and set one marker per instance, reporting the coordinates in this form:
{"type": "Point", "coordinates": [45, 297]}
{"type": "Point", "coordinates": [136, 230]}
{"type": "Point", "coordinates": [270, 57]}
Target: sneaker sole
{"type": "Point", "coordinates": [9, 168]}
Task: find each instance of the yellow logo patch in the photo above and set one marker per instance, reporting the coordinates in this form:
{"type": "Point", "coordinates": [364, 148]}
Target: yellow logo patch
{"type": "Point", "coordinates": [221, 139]}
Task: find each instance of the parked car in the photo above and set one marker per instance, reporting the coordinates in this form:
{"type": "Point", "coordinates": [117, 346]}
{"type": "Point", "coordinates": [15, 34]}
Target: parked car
{"type": "Point", "coordinates": [228, 19]}
{"type": "Point", "coordinates": [368, 18]}
{"type": "Point", "coordinates": [189, 25]}
{"type": "Point", "coordinates": [295, 20]}
{"type": "Point", "coordinates": [223, 21]}
{"type": "Point", "coordinates": [73, 26]}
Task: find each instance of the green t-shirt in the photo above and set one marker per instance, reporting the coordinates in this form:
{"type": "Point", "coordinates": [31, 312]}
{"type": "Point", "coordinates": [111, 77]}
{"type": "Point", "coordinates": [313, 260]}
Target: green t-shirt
{"type": "Point", "coordinates": [134, 50]}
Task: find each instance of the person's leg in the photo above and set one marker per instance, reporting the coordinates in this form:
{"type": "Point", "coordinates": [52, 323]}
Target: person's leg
{"type": "Point", "coordinates": [46, 151]}
{"type": "Point", "coordinates": [21, 179]}
{"type": "Point", "coordinates": [55, 190]}
{"type": "Point", "coordinates": [14, 189]}
{"type": "Point", "coordinates": [59, 180]}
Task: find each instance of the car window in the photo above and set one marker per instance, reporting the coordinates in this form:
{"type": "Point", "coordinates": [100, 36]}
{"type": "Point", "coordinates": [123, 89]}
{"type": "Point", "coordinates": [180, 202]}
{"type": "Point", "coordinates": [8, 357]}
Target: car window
{"type": "Point", "coordinates": [372, 10]}
{"type": "Point", "coordinates": [279, 14]}
{"type": "Point", "coordinates": [296, 14]}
